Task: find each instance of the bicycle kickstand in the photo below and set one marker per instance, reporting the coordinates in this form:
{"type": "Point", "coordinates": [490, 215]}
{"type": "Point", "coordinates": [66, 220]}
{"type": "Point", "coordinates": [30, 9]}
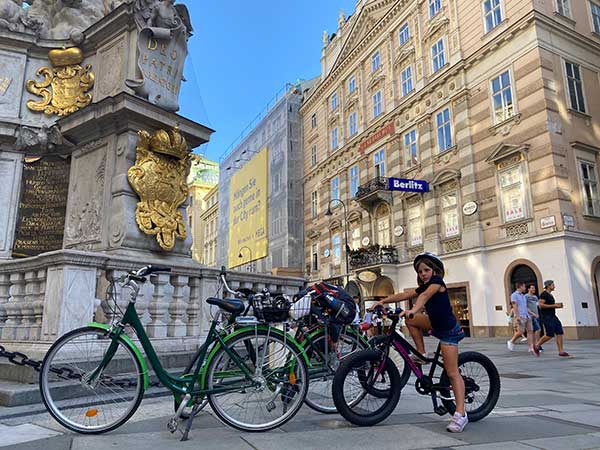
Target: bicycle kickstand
{"type": "Point", "coordinates": [188, 425]}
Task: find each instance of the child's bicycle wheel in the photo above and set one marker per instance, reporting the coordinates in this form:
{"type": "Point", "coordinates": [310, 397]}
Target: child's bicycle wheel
{"type": "Point", "coordinates": [366, 387]}
{"type": "Point", "coordinates": [482, 386]}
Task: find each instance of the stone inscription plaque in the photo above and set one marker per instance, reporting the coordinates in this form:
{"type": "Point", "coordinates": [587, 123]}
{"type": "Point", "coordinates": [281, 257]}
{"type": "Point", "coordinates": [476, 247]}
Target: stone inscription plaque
{"type": "Point", "coordinates": [42, 207]}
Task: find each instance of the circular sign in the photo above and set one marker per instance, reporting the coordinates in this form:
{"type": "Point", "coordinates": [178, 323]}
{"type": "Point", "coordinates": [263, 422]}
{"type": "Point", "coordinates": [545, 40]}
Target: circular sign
{"type": "Point", "coordinates": [367, 276]}
{"type": "Point", "coordinates": [365, 241]}
{"type": "Point", "coordinates": [399, 231]}
{"type": "Point", "coordinates": [326, 253]}
{"type": "Point", "coordinates": [470, 208]}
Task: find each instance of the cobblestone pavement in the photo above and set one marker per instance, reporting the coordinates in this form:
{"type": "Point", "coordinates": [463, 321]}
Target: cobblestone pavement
{"type": "Point", "coordinates": [546, 403]}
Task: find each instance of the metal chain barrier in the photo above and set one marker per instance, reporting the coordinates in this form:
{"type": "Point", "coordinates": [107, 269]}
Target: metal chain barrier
{"type": "Point", "coordinates": [66, 373]}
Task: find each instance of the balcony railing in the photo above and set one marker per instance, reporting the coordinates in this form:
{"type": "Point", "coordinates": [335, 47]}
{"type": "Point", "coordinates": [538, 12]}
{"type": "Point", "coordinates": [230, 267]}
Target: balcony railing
{"type": "Point", "coordinates": [376, 184]}
{"type": "Point", "coordinates": [373, 255]}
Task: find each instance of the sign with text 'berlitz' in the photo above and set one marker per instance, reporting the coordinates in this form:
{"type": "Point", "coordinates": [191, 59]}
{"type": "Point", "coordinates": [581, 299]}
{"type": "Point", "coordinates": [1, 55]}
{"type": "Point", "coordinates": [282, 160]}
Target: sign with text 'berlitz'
{"type": "Point", "coordinates": [406, 185]}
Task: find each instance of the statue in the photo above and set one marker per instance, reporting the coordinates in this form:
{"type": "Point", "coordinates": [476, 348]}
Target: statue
{"type": "Point", "coordinates": [45, 138]}
{"type": "Point", "coordinates": [325, 38]}
{"type": "Point", "coordinates": [14, 18]}
{"type": "Point", "coordinates": [162, 14]}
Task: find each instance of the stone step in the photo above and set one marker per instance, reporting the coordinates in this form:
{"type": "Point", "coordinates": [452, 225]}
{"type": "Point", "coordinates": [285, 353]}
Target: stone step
{"type": "Point", "coordinates": [13, 394]}
{"type": "Point", "coordinates": [26, 374]}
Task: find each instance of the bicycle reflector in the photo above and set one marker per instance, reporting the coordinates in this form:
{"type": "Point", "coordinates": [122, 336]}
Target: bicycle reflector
{"type": "Point", "coordinates": [91, 412]}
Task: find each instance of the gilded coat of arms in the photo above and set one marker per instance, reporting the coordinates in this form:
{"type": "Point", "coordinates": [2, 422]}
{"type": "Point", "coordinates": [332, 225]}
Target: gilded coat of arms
{"type": "Point", "coordinates": [159, 178]}
{"type": "Point", "coordinates": [65, 87]}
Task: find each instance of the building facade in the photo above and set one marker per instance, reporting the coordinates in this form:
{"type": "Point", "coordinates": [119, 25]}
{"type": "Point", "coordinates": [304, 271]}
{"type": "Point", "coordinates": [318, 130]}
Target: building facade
{"type": "Point", "coordinates": [494, 105]}
{"type": "Point", "coordinates": [203, 179]}
{"type": "Point", "coordinates": [209, 218]}
{"type": "Point", "coordinates": [279, 132]}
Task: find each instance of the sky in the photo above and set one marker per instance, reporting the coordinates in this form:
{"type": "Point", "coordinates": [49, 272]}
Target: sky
{"type": "Point", "coordinates": [243, 53]}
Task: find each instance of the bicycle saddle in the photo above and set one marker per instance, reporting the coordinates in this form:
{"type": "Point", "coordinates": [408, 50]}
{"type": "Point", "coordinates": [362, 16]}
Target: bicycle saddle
{"type": "Point", "coordinates": [231, 305]}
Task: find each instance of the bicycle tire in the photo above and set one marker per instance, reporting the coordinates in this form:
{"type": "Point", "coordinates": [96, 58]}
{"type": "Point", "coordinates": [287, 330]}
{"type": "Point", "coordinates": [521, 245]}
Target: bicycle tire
{"type": "Point", "coordinates": [79, 351]}
{"type": "Point", "coordinates": [318, 396]}
{"type": "Point", "coordinates": [376, 342]}
{"type": "Point", "coordinates": [286, 395]}
{"type": "Point", "coordinates": [491, 398]}
{"type": "Point", "coordinates": [365, 361]}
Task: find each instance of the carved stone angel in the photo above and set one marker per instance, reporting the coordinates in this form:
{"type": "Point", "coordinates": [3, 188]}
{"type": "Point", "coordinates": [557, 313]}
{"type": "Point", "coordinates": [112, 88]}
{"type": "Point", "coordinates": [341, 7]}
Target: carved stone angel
{"type": "Point", "coordinates": [162, 14]}
{"type": "Point", "coordinates": [44, 138]}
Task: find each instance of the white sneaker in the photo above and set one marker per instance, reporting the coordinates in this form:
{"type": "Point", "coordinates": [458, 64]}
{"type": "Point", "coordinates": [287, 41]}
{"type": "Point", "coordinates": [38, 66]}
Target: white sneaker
{"type": "Point", "coordinates": [510, 345]}
{"type": "Point", "coordinates": [457, 423]}
{"type": "Point", "coordinates": [523, 340]}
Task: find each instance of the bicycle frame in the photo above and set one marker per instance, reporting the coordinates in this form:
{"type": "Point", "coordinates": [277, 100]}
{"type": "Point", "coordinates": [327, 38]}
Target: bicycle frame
{"type": "Point", "coordinates": [176, 384]}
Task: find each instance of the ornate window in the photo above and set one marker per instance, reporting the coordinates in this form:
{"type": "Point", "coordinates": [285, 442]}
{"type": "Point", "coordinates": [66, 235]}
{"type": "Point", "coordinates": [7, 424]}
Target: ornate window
{"type": "Point", "coordinates": [575, 86]}
{"type": "Point", "coordinates": [563, 7]}
{"type": "Point", "coordinates": [375, 61]}
{"type": "Point", "coordinates": [313, 156]}
{"type": "Point", "coordinates": [355, 237]}
{"type": "Point", "coordinates": [352, 84]}
{"type": "Point", "coordinates": [335, 188]}
{"type": "Point", "coordinates": [377, 108]}
{"type": "Point", "coordinates": [415, 226]}
{"type": "Point", "coordinates": [352, 124]}
{"type": "Point", "coordinates": [502, 99]}
{"type": "Point", "coordinates": [379, 163]}
{"type": "Point", "coordinates": [438, 56]}
{"type": "Point", "coordinates": [444, 130]}
{"type": "Point", "coordinates": [434, 7]}
{"type": "Point", "coordinates": [354, 180]}
{"type": "Point", "coordinates": [313, 120]}
{"type": "Point", "coordinates": [334, 101]}
{"type": "Point", "coordinates": [406, 80]}
{"type": "Point", "coordinates": [512, 193]}
{"type": "Point", "coordinates": [411, 157]}
{"type": "Point", "coordinates": [589, 185]}
{"type": "Point", "coordinates": [314, 203]}
{"type": "Point", "coordinates": [336, 243]}
{"type": "Point", "coordinates": [334, 138]}
{"type": "Point", "coordinates": [403, 34]}
{"type": "Point", "coordinates": [595, 11]}
{"type": "Point", "coordinates": [314, 256]}
{"type": "Point", "coordinates": [382, 217]}
{"type": "Point", "coordinates": [450, 216]}
{"type": "Point", "coordinates": [492, 14]}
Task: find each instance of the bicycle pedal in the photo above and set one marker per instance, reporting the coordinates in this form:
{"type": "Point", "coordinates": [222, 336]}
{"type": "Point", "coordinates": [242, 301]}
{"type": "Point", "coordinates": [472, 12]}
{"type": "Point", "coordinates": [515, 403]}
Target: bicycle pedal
{"type": "Point", "coordinates": [440, 410]}
{"type": "Point", "coordinates": [172, 425]}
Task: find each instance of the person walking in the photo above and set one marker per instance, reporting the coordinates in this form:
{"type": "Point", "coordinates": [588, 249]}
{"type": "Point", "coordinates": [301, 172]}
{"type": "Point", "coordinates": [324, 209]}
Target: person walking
{"type": "Point", "coordinates": [552, 325]}
{"type": "Point", "coordinates": [523, 319]}
{"type": "Point", "coordinates": [532, 306]}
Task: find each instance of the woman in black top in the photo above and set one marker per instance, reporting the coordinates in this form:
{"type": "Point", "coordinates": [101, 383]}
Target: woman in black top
{"type": "Point", "coordinates": [432, 295]}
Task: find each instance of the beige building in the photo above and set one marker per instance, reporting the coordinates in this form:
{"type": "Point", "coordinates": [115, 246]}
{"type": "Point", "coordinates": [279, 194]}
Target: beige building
{"type": "Point", "coordinates": [204, 176]}
{"type": "Point", "coordinates": [209, 218]}
{"type": "Point", "coordinates": [494, 104]}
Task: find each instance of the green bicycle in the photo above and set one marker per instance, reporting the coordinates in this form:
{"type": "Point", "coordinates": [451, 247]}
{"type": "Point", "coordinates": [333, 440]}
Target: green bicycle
{"type": "Point", "coordinates": [93, 378]}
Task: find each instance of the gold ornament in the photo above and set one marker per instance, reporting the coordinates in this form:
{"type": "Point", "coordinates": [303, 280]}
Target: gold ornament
{"type": "Point", "coordinates": [69, 84]}
{"type": "Point", "coordinates": [159, 178]}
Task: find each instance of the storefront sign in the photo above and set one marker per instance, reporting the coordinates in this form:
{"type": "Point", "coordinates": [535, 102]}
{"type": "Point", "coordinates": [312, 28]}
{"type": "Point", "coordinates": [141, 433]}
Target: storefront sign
{"type": "Point", "coordinates": [547, 222]}
{"type": "Point", "coordinates": [470, 208]}
{"type": "Point", "coordinates": [386, 130]}
{"type": "Point", "coordinates": [367, 276]}
{"type": "Point", "coordinates": [406, 185]}
{"type": "Point", "coordinates": [365, 241]}
{"type": "Point", "coordinates": [399, 231]}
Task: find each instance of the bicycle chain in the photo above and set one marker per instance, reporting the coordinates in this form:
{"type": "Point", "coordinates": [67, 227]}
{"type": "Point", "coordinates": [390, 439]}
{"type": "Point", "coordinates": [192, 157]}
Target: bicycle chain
{"type": "Point", "coordinates": [66, 373]}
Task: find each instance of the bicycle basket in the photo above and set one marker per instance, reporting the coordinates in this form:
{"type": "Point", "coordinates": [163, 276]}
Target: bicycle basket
{"type": "Point", "coordinates": [301, 308]}
{"type": "Point", "coordinates": [271, 308]}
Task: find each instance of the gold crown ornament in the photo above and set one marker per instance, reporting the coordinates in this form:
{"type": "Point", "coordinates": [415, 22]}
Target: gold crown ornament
{"type": "Point", "coordinates": [65, 57]}
{"type": "Point", "coordinates": [170, 143]}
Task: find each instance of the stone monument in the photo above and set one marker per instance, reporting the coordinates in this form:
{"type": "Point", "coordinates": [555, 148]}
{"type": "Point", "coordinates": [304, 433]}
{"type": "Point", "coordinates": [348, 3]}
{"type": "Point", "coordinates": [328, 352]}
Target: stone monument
{"type": "Point", "coordinates": [93, 163]}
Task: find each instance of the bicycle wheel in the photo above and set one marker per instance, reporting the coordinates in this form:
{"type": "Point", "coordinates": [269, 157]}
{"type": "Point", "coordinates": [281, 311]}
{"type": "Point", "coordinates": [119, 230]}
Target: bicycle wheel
{"type": "Point", "coordinates": [352, 390]}
{"type": "Point", "coordinates": [378, 342]}
{"type": "Point", "coordinates": [482, 385]}
{"type": "Point", "coordinates": [90, 406]}
{"type": "Point", "coordinates": [277, 388]}
{"type": "Point", "coordinates": [319, 395]}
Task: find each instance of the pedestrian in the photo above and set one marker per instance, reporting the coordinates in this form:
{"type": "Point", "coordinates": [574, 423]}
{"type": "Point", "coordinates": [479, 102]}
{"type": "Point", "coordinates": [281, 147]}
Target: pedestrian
{"type": "Point", "coordinates": [432, 295]}
{"type": "Point", "coordinates": [552, 325]}
{"type": "Point", "coordinates": [523, 318]}
{"type": "Point", "coordinates": [532, 305]}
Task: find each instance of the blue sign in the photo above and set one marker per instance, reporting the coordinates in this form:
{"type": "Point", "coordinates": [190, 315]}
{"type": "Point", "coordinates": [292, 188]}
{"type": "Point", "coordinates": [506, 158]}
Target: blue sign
{"type": "Point", "coordinates": [403, 184]}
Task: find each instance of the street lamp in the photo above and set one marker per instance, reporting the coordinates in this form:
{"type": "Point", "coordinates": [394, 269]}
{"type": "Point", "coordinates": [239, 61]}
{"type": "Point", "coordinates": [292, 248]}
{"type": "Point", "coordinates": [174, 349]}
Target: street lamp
{"type": "Point", "coordinates": [249, 253]}
{"type": "Point", "coordinates": [329, 213]}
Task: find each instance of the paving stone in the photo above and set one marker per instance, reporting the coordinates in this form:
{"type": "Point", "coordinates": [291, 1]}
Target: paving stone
{"type": "Point", "coordinates": [23, 433]}
{"type": "Point", "coordinates": [495, 446]}
{"type": "Point", "coordinates": [580, 442]}
{"type": "Point", "coordinates": [396, 437]}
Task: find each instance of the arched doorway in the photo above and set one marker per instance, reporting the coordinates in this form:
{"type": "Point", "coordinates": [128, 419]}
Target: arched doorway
{"type": "Point", "coordinates": [522, 273]}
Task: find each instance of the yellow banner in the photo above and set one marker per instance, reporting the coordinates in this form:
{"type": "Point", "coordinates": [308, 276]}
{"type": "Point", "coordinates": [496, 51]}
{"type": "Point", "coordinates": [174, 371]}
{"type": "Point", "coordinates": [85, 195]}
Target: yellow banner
{"type": "Point", "coordinates": [248, 211]}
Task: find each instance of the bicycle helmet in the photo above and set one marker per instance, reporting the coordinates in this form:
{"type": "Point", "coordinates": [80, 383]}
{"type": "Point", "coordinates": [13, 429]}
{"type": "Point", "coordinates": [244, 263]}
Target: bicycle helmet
{"type": "Point", "coordinates": [434, 260]}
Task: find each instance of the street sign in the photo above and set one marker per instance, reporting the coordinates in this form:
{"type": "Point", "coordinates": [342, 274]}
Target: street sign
{"type": "Point", "coordinates": [406, 185]}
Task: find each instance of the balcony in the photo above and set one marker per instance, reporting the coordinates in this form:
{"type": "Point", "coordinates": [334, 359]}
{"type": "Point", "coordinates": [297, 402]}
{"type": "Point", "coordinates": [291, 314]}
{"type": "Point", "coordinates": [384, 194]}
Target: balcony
{"type": "Point", "coordinates": [373, 192]}
{"type": "Point", "coordinates": [373, 255]}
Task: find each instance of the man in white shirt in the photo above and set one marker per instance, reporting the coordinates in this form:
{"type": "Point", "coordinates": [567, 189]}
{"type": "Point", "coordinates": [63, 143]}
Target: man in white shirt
{"type": "Point", "coordinates": [523, 318]}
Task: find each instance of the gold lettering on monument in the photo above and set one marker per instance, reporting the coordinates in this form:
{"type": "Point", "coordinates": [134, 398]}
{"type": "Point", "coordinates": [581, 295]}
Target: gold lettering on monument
{"type": "Point", "coordinates": [159, 178]}
{"type": "Point", "coordinates": [65, 87]}
{"type": "Point", "coordinates": [42, 208]}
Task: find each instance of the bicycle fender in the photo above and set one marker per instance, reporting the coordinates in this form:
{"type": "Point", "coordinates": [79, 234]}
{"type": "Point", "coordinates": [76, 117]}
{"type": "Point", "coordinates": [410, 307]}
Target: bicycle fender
{"type": "Point", "coordinates": [229, 337]}
{"type": "Point", "coordinates": [134, 348]}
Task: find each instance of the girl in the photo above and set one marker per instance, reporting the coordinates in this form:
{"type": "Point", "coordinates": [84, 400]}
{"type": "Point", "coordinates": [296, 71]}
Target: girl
{"type": "Point", "coordinates": [433, 295]}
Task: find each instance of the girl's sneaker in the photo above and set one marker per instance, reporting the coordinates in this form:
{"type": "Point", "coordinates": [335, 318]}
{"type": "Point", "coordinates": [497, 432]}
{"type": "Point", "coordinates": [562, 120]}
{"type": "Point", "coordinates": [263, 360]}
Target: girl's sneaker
{"type": "Point", "coordinates": [457, 423]}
